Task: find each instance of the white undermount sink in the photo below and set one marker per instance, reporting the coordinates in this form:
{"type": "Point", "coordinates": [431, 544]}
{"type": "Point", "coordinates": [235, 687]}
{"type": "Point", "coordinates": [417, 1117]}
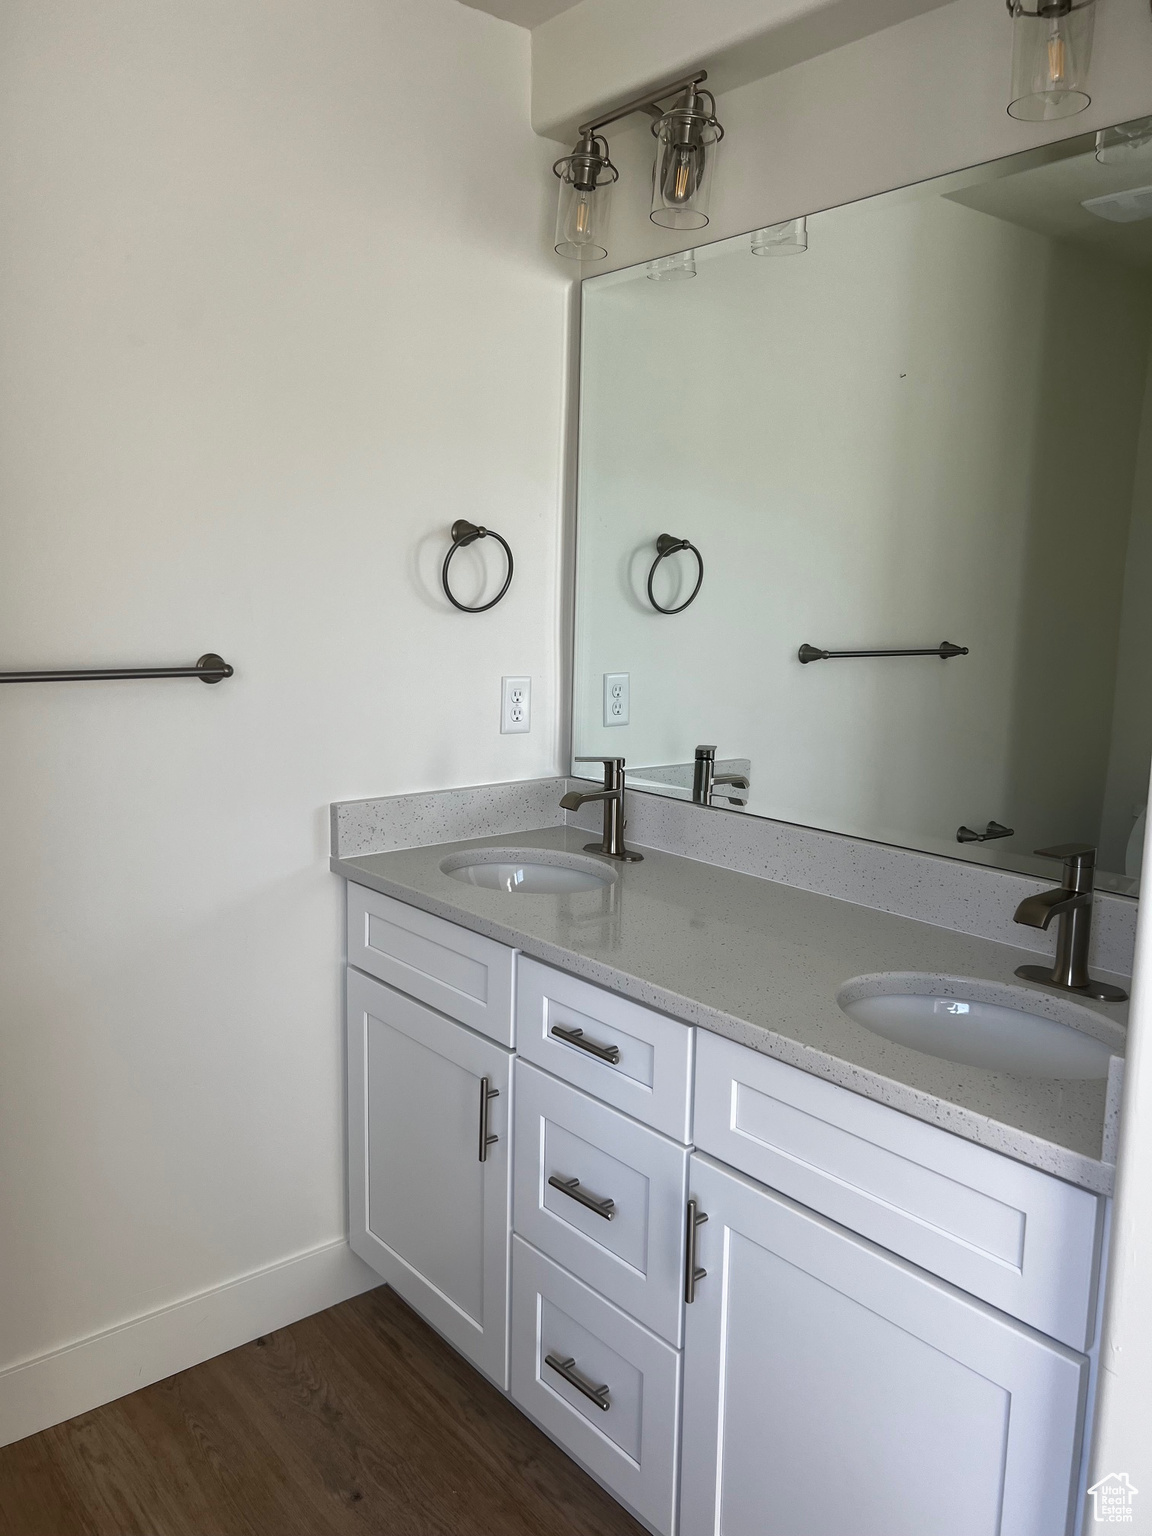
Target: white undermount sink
{"type": "Point", "coordinates": [528, 872]}
{"type": "Point", "coordinates": [983, 1024]}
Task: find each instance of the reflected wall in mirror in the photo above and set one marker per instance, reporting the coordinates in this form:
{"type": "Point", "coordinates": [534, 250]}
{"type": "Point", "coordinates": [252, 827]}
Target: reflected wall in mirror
{"type": "Point", "coordinates": [931, 422]}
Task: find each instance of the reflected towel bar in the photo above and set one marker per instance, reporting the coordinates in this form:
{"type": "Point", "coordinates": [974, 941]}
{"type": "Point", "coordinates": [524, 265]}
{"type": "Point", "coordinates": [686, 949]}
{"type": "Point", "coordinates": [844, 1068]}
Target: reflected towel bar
{"type": "Point", "coordinates": [209, 669]}
{"type": "Point", "coordinates": [944, 650]}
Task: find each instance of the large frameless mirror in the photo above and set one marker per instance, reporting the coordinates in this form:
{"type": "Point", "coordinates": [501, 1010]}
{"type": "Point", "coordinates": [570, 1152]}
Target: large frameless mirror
{"type": "Point", "coordinates": [907, 445]}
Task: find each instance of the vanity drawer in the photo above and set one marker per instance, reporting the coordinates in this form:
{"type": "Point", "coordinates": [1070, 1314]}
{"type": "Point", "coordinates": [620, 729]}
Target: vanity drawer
{"type": "Point", "coordinates": [1020, 1239]}
{"type": "Point", "coordinates": [628, 1437]}
{"type": "Point", "coordinates": [632, 1251]}
{"type": "Point", "coordinates": [629, 1056]}
{"type": "Point", "coordinates": [463, 974]}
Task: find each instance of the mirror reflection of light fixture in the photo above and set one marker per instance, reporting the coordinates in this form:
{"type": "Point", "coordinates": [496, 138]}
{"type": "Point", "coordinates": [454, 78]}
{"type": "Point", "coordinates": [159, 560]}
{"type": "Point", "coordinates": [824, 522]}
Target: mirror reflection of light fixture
{"type": "Point", "coordinates": [587, 177]}
{"type": "Point", "coordinates": [671, 269]}
{"type": "Point", "coordinates": [686, 139]}
{"type": "Point", "coordinates": [1051, 51]}
{"type": "Point", "coordinates": [787, 239]}
{"type": "Point", "coordinates": [1125, 143]}
{"type": "Point", "coordinates": [687, 134]}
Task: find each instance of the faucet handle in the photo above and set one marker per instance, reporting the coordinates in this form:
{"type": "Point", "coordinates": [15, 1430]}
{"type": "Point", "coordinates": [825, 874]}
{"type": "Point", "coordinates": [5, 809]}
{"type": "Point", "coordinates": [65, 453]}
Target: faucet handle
{"type": "Point", "coordinates": [1072, 853]}
{"type": "Point", "coordinates": [1079, 862]}
{"type": "Point", "coordinates": [613, 772]}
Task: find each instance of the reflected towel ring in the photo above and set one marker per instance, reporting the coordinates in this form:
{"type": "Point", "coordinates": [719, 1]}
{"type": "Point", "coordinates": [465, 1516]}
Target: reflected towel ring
{"type": "Point", "coordinates": [467, 533]}
{"type": "Point", "coordinates": [667, 545]}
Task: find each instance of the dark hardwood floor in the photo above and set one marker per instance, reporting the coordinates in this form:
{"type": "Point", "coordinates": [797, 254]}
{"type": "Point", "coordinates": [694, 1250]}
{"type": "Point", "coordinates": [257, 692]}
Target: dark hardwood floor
{"type": "Point", "coordinates": [359, 1420]}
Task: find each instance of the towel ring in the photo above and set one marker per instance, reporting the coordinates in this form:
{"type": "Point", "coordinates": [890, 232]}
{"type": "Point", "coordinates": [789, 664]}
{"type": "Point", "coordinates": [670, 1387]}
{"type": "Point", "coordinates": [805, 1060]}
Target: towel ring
{"type": "Point", "coordinates": [667, 545]}
{"type": "Point", "coordinates": [467, 533]}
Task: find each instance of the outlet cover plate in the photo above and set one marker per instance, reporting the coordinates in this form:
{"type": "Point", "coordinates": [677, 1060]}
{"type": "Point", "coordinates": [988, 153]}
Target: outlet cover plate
{"type": "Point", "coordinates": [515, 705]}
{"type": "Point", "coordinates": [617, 702]}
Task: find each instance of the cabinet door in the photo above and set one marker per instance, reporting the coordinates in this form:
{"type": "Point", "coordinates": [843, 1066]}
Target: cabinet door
{"type": "Point", "coordinates": [426, 1209]}
{"type": "Point", "coordinates": [830, 1387]}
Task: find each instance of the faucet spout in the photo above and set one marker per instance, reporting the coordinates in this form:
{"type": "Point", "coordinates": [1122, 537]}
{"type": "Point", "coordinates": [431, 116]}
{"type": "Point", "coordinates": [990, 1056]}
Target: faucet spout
{"type": "Point", "coordinates": [573, 800]}
{"type": "Point", "coordinates": [1038, 911]}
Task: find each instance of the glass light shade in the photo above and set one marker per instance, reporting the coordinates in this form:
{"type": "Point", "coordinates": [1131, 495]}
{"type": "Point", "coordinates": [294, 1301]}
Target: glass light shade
{"type": "Point", "coordinates": [788, 239]}
{"type": "Point", "coordinates": [1051, 52]}
{"type": "Point", "coordinates": [582, 221]}
{"type": "Point", "coordinates": [1125, 144]}
{"type": "Point", "coordinates": [686, 140]}
{"type": "Point", "coordinates": [671, 269]}
{"type": "Point", "coordinates": [587, 177]}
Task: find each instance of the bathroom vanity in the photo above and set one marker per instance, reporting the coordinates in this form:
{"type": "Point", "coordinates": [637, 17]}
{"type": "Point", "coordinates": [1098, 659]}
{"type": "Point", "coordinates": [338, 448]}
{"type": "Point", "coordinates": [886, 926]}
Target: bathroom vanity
{"type": "Point", "coordinates": [750, 1170]}
{"type": "Point", "coordinates": [755, 1267]}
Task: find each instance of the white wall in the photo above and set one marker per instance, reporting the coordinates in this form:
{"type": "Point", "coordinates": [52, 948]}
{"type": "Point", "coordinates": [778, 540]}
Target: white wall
{"type": "Point", "coordinates": [923, 428]}
{"type": "Point", "coordinates": [268, 324]}
{"type": "Point", "coordinates": [1123, 1431]}
{"type": "Point", "coordinates": [1131, 743]}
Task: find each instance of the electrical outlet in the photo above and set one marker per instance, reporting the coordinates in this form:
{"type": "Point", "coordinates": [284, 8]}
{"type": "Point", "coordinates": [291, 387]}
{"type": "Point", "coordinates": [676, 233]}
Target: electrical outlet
{"type": "Point", "coordinates": [516, 705]}
{"type": "Point", "coordinates": [616, 699]}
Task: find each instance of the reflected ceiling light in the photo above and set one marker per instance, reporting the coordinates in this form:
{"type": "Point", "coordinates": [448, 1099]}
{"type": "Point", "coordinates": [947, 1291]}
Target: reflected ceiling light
{"type": "Point", "coordinates": [787, 239]}
{"type": "Point", "coordinates": [1051, 51]}
{"type": "Point", "coordinates": [671, 269]}
{"type": "Point", "coordinates": [587, 177]}
{"type": "Point", "coordinates": [687, 134]}
{"type": "Point", "coordinates": [1125, 143]}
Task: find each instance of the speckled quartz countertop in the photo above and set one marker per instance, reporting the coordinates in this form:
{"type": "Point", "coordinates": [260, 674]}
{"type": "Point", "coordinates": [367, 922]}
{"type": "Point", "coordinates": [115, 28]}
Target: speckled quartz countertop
{"type": "Point", "coordinates": [762, 963]}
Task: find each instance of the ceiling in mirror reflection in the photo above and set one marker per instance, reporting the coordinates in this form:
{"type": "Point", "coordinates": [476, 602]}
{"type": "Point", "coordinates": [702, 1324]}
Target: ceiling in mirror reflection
{"type": "Point", "coordinates": [932, 424]}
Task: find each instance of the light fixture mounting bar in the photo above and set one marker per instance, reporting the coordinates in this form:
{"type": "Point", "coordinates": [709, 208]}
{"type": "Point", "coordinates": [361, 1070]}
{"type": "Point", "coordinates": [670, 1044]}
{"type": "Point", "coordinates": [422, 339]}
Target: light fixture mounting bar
{"type": "Point", "coordinates": [646, 103]}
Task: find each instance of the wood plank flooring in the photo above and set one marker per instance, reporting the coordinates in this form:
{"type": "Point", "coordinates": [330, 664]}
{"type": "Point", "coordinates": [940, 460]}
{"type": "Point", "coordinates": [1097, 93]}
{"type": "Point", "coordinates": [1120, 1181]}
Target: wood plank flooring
{"type": "Point", "coordinates": [359, 1421]}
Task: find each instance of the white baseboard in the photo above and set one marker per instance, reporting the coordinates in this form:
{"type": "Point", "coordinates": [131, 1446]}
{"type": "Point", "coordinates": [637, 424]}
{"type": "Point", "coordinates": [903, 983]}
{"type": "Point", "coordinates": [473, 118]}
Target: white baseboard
{"type": "Point", "coordinates": [79, 1377]}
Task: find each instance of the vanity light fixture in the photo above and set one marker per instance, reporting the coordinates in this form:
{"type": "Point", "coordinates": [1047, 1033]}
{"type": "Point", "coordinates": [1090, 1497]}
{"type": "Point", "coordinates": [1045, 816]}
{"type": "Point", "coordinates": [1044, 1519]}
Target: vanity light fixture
{"type": "Point", "coordinates": [687, 134]}
{"type": "Point", "coordinates": [587, 177]}
{"type": "Point", "coordinates": [1051, 51]}
{"type": "Point", "coordinates": [787, 239]}
{"type": "Point", "coordinates": [686, 139]}
{"type": "Point", "coordinates": [671, 269]}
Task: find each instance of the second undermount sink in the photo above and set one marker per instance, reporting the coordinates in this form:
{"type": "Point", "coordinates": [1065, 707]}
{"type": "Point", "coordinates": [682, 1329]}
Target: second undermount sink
{"type": "Point", "coordinates": [985, 1025]}
{"type": "Point", "coordinates": [528, 871]}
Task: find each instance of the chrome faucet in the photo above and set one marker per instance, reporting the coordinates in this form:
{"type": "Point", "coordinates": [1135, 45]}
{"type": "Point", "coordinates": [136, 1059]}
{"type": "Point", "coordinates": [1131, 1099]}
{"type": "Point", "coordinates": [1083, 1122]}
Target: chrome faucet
{"type": "Point", "coordinates": [1071, 902]}
{"type": "Point", "coordinates": [705, 778]}
{"type": "Point", "coordinates": [611, 845]}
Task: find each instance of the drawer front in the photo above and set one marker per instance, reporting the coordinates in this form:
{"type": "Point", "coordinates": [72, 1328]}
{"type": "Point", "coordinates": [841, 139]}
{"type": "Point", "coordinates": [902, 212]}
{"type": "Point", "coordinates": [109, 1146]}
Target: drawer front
{"type": "Point", "coordinates": [1018, 1238]}
{"type": "Point", "coordinates": [629, 1242]}
{"type": "Point", "coordinates": [627, 1434]}
{"type": "Point", "coordinates": [462, 974]}
{"type": "Point", "coordinates": [629, 1056]}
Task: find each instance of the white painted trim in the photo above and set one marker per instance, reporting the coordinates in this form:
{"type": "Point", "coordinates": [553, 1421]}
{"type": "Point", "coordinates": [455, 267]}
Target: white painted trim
{"type": "Point", "coordinates": [50, 1388]}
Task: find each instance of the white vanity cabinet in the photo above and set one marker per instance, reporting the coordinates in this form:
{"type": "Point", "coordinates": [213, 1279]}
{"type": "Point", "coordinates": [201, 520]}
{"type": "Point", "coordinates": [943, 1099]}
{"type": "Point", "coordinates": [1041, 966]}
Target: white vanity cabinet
{"type": "Point", "coordinates": [830, 1387]}
{"type": "Point", "coordinates": [888, 1327]}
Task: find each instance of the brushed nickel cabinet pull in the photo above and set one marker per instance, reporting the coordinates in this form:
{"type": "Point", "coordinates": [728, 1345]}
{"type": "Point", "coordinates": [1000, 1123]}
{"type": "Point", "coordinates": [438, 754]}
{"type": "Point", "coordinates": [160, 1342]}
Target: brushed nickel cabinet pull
{"type": "Point", "coordinates": [593, 1047]}
{"type": "Point", "coordinates": [692, 1273]}
{"type": "Point", "coordinates": [571, 1187]}
{"type": "Point", "coordinates": [566, 1368]}
{"type": "Point", "coordinates": [487, 1093]}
